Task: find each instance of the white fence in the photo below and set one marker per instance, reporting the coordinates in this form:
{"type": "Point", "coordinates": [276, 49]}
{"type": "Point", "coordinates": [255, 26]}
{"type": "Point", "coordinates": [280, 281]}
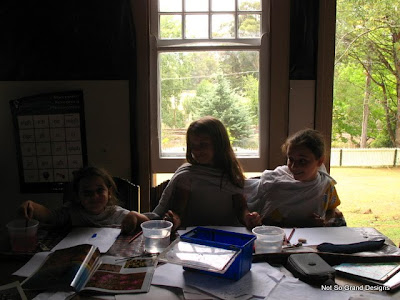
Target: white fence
{"type": "Point", "coordinates": [361, 157]}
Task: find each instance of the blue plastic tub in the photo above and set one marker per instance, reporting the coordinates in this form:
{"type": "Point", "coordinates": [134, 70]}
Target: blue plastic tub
{"type": "Point", "coordinates": [225, 240]}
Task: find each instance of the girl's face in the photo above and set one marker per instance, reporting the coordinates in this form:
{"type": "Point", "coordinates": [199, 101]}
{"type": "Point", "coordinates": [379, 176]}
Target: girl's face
{"type": "Point", "coordinates": [93, 194]}
{"type": "Point", "coordinates": [303, 163]}
{"type": "Point", "coordinates": [202, 149]}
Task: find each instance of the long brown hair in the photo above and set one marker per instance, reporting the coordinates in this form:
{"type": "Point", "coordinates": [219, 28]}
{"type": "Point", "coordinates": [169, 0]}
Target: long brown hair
{"type": "Point", "coordinates": [224, 157]}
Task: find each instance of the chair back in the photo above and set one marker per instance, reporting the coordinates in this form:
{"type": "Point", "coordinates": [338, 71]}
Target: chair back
{"type": "Point", "coordinates": [155, 194]}
{"type": "Point", "coordinates": [128, 193]}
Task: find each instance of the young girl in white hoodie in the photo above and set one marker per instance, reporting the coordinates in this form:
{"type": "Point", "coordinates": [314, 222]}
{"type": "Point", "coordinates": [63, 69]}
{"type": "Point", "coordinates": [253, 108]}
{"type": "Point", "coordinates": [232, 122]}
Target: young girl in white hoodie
{"type": "Point", "coordinates": [300, 193]}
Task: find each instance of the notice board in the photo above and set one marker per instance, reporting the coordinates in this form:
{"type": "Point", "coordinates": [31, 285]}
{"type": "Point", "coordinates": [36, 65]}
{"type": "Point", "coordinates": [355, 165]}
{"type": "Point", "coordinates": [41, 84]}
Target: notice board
{"type": "Point", "coordinates": [50, 139]}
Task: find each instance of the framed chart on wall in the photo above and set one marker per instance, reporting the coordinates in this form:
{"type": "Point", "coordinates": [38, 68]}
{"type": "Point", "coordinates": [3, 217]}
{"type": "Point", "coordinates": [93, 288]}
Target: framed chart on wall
{"type": "Point", "coordinates": [50, 138]}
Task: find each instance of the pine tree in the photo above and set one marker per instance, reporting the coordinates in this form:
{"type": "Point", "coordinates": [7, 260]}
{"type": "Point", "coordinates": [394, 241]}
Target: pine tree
{"type": "Point", "coordinates": [220, 101]}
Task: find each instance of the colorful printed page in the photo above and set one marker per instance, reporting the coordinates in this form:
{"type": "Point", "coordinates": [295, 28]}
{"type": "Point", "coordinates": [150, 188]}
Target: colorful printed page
{"type": "Point", "coordinates": [118, 275]}
{"type": "Point", "coordinates": [82, 268]}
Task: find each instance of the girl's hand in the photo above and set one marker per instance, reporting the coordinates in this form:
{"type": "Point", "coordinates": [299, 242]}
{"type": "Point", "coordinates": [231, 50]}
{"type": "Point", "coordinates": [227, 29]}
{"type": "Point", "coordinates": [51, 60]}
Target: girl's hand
{"type": "Point", "coordinates": [252, 220]}
{"type": "Point", "coordinates": [128, 224]}
{"type": "Point", "coordinates": [174, 218]}
{"type": "Point", "coordinates": [26, 210]}
{"type": "Point", "coordinates": [317, 220]}
{"type": "Point", "coordinates": [333, 217]}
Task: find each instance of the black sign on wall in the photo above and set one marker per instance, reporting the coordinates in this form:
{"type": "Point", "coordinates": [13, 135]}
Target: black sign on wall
{"type": "Point", "coordinates": [50, 139]}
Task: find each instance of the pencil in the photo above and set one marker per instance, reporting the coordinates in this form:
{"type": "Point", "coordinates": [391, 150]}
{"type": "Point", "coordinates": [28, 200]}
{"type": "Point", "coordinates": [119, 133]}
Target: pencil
{"type": "Point", "coordinates": [28, 208]}
{"type": "Point", "coordinates": [135, 237]}
{"type": "Point", "coordinates": [291, 234]}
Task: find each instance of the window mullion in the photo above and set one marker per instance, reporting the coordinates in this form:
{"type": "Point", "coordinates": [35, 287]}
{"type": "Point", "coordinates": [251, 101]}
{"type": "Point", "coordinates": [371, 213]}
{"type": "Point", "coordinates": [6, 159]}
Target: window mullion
{"type": "Point", "coordinates": [209, 19]}
{"type": "Point", "coordinates": [183, 14]}
{"type": "Point", "coordinates": [236, 20]}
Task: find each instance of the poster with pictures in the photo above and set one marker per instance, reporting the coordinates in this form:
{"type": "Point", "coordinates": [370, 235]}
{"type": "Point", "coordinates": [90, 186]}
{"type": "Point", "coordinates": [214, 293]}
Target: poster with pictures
{"type": "Point", "coordinates": [50, 139]}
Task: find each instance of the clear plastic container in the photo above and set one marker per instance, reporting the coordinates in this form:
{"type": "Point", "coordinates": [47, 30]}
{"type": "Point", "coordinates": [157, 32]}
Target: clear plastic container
{"type": "Point", "coordinates": [269, 239]}
{"type": "Point", "coordinates": [156, 235]}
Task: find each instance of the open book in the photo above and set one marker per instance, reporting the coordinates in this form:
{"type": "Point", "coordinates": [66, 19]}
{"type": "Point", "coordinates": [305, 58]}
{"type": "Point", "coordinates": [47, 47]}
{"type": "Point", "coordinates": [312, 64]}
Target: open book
{"type": "Point", "coordinates": [81, 268]}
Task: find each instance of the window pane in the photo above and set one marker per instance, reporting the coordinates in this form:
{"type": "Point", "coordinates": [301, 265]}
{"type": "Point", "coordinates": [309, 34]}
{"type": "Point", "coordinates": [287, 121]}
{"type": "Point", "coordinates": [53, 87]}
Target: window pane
{"type": "Point", "coordinates": [170, 27]}
{"type": "Point", "coordinates": [223, 84]}
{"type": "Point", "coordinates": [249, 5]}
{"type": "Point", "coordinates": [223, 26]}
{"type": "Point", "coordinates": [223, 5]}
{"type": "Point", "coordinates": [249, 25]}
{"type": "Point", "coordinates": [196, 5]}
{"type": "Point", "coordinates": [196, 27]}
{"type": "Point", "coordinates": [170, 5]}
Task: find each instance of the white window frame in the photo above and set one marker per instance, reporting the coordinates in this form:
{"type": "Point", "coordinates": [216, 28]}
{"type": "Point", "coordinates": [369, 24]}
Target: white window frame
{"type": "Point", "coordinates": [250, 164]}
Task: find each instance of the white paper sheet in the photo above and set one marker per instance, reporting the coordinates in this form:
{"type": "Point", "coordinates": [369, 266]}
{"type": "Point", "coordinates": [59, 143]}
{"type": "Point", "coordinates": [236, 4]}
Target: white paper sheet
{"type": "Point", "coordinates": [54, 296]}
{"type": "Point", "coordinates": [13, 290]}
{"type": "Point", "coordinates": [103, 238]}
{"type": "Point", "coordinates": [162, 276]}
{"type": "Point", "coordinates": [155, 293]}
{"type": "Point", "coordinates": [394, 281]}
{"type": "Point", "coordinates": [334, 235]}
{"type": "Point", "coordinates": [32, 265]}
{"type": "Point", "coordinates": [258, 281]}
{"type": "Point", "coordinates": [292, 288]}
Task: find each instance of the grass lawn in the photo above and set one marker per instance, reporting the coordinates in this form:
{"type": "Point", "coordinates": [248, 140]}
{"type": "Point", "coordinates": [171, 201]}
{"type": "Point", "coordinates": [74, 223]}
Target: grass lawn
{"type": "Point", "coordinates": [370, 197]}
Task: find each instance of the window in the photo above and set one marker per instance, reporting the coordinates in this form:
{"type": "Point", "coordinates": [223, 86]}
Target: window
{"type": "Point", "coordinates": [208, 57]}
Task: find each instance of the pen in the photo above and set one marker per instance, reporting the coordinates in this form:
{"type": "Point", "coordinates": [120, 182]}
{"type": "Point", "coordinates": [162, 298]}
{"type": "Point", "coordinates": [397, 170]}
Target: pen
{"type": "Point", "coordinates": [135, 237]}
{"type": "Point", "coordinates": [291, 234]}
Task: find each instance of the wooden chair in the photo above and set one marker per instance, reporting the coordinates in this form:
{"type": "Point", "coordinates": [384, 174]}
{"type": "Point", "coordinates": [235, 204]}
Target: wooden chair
{"type": "Point", "coordinates": [128, 193]}
{"type": "Point", "coordinates": [155, 194]}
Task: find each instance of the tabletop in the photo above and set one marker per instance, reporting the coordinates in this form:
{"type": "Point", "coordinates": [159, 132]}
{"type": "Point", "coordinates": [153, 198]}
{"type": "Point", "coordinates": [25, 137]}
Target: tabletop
{"type": "Point", "coordinates": [123, 246]}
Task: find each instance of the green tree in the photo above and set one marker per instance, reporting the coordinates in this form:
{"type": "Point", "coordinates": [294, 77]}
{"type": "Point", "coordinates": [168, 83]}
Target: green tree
{"type": "Point", "coordinates": [368, 35]}
{"type": "Point", "coordinates": [347, 109]}
{"type": "Point", "coordinates": [174, 70]}
{"type": "Point", "coordinates": [220, 101]}
{"type": "Point", "coordinates": [170, 27]}
{"type": "Point", "coordinates": [250, 91]}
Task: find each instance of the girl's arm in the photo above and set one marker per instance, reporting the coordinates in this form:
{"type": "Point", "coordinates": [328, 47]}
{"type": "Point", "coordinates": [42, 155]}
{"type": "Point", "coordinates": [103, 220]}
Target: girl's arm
{"type": "Point", "coordinates": [32, 210]}
{"type": "Point", "coordinates": [333, 216]}
{"type": "Point", "coordinates": [177, 213]}
{"type": "Point", "coordinates": [131, 221]}
{"type": "Point", "coordinates": [247, 218]}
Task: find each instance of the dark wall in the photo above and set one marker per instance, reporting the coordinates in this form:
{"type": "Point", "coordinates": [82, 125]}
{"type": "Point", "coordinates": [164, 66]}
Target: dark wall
{"type": "Point", "coordinates": [66, 40]}
{"type": "Point", "coordinates": [303, 39]}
